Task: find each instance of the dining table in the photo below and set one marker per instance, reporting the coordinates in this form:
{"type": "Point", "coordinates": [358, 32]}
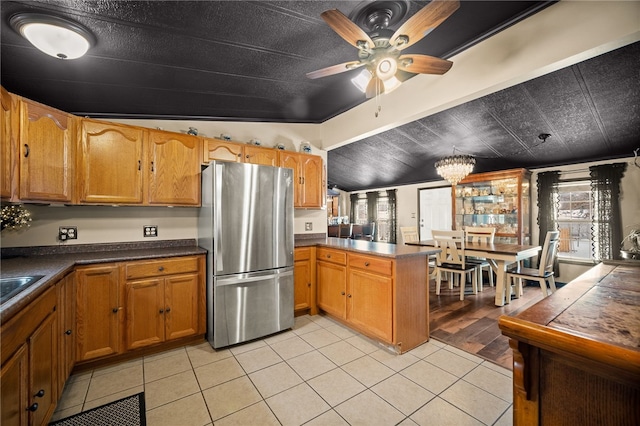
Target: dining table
{"type": "Point", "coordinates": [499, 256]}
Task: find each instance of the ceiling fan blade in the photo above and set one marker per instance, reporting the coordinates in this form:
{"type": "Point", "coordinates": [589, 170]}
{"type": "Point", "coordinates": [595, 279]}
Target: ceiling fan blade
{"type": "Point", "coordinates": [375, 87]}
{"type": "Point", "coordinates": [335, 69]}
{"type": "Point", "coordinates": [423, 64]}
{"type": "Point", "coordinates": [347, 29]}
{"type": "Point", "coordinates": [425, 20]}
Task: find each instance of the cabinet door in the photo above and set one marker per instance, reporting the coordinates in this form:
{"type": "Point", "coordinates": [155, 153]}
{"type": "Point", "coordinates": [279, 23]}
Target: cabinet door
{"type": "Point", "coordinates": [292, 160]}
{"type": "Point", "coordinates": [46, 153]}
{"type": "Point", "coordinates": [43, 359]}
{"type": "Point", "coordinates": [110, 163]}
{"type": "Point", "coordinates": [14, 389]}
{"type": "Point", "coordinates": [331, 281]}
{"type": "Point", "coordinates": [369, 303]}
{"type": "Point", "coordinates": [312, 189]}
{"type": "Point", "coordinates": [8, 144]}
{"type": "Point", "coordinates": [144, 317]}
{"type": "Point", "coordinates": [181, 306]}
{"type": "Point", "coordinates": [215, 149]}
{"type": "Point", "coordinates": [97, 312]}
{"type": "Point", "coordinates": [302, 284]}
{"type": "Point", "coordinates": [174, 169]}
{"type": "Point", "coordinates": [259, 155]}
{"type": "Point", "coordinates": [66, 329]}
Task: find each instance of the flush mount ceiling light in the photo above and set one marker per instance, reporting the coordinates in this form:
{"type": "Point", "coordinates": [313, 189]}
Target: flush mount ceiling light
{"type": "Point", "coordinates": [455, 167]}
{"type": "Point", "coordinates": [53, 35]}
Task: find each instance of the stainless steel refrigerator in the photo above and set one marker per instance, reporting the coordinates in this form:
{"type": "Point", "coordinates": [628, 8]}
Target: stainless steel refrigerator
{"type": "Point", "coordinates": [246, 224]}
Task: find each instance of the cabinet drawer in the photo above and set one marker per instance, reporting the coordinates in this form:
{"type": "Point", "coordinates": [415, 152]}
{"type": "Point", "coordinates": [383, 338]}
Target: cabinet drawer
{"type": "Point", "coordinates": [372, 264]}
{"type": "Point", "coordinates": [302, 253]}
{"type": "Point", "coordinates": [330, 255]}
{"type": "Point", "coordinates": [161, 267]}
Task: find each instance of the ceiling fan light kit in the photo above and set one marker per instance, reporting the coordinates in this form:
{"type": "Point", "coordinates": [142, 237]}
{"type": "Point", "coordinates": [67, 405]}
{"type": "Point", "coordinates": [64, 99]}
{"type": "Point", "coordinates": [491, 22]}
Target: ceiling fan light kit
{"type": "Point", "coordinates": [53, 35]}
{"type": "Point", "coordinates": [379, 50]}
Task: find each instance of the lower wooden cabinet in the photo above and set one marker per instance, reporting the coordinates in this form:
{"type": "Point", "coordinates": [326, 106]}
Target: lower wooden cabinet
{"type": "Point", "coordinates": [98, 311]}
{"type": "Point", "coordinates": [66, 331]}
{"type": "Point", "coordinates": [383, 297]}
{"type": "Point", "coordinates": [29, 363]}
{"type": "Point", "coordinates": [131, 305]}
{"type": "Point", "coordinates": [304, 280]}
{"type": "Point", "coordinates": [163, 307]}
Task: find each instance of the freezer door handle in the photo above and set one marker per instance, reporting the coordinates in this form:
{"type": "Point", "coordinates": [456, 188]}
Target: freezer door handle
{"type": "Point", "coordinates": [239, 279]}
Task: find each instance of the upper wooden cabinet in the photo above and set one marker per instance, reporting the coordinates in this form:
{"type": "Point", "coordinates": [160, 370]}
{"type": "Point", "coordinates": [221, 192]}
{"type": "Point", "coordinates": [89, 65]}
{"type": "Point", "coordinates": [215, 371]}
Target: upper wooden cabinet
{"type": "Point", "coordinates": [46, 144]}
{"type": "Point", "coordinates": [308, 177]}
{"type": "Point", "coordinates": [217, 149]}
{"type": "Point", "coordinates": [9, 117]}
{"type": "Point", "coordinates": [260, 155]}
{"type": "Point", "coordinates": [120, 164]}
{"type": "Point", "coordinates": [174, 168]}
{"type": "Point", "coordinates": [110, 163]}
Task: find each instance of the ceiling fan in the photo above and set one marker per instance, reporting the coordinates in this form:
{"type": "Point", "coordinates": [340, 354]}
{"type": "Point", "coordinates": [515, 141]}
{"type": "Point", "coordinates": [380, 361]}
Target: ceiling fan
{"type": "Point", "coordinates": [380, 50]}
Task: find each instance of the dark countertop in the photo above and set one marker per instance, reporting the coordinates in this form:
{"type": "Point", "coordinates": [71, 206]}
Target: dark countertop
{"type": "Point", "coordinates": [368, 247]}
{"type": "Point", "coordinates": [55, 262]}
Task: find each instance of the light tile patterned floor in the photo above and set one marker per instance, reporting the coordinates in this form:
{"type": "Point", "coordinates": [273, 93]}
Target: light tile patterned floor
{"type": "Point", "coordinates": [319, 373]}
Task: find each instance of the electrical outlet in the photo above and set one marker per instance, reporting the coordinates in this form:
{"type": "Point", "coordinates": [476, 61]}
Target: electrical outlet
{"type": "Point", "coordinates": [67, 233]}
{"type": "Point", "coordinates": [308, 226]}
{"type": "Point", "coordinates": [150, 231]}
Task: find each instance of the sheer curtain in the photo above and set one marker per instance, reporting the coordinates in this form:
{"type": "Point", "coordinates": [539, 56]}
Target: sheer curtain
{"type": "Point", "coordinates": [607, 222]}
{"type": "Point", "coordinates": [353, 215]}
{"type": "Point", "coordinates": [547, 207]}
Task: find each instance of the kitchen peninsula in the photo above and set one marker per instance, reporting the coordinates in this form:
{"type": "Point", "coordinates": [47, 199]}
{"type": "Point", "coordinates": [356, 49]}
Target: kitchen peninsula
{"type": "Point", "coordinates": [378, 289]}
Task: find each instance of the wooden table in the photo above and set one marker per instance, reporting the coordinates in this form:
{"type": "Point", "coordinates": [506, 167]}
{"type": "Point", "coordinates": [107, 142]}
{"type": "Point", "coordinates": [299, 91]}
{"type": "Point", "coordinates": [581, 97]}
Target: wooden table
{"type": "Point", "coordinates": [499, 255]}
{"type": "Point", "coordinates": [576, 353]}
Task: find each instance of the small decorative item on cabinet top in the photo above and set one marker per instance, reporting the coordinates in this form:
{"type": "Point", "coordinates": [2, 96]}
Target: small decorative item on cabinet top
{"type": "Point", "coordinates": [225, 136]}
{"type": "Point", "coordinates": [305, 147]}
{"type": "Point", "coordinates": [280, 146]}
{"type": "Point", "coordinates": [255, 142]}
{"type": "Point", "coordinates": [192, 131]}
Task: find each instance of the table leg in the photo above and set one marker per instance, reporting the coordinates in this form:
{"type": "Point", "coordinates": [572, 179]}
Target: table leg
{"type": "Point", "coordinates": [501, 284]}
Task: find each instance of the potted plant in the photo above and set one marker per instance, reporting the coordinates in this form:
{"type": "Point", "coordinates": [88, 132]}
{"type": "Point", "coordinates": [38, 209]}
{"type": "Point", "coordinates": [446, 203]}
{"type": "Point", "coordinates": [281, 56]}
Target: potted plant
{"type": "Point", "coordinates": [634, 242]}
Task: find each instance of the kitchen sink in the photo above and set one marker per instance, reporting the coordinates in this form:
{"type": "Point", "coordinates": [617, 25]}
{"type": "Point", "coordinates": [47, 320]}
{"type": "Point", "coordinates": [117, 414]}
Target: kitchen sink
{"type": "Point", "coordinates": [9, 287]}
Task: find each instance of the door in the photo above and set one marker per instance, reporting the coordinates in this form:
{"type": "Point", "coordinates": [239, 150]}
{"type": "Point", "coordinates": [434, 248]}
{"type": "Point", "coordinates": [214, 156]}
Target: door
{"type": "Point", "coordinates": [174, 169]}
{"type": "Point", "coordinates": [181, 306]}
{"type": "Point", "coordinates": [111, 163]}
{"type": "Point", "coordinates": [312, 187]}
{"type": "Point", "coordinates": [42, 355]}
{"type": "Point", "coordinates": [435, 210]}
{"type": "Point", "coordinates": [97, 312]}
{"type": "Point", "coordinates": [252, 218]}
{"type": "Point", "coordinates": [46, 153]}
{"type": "Point", "coordinates": [8, 144]}
{"type": "Point", "coordinates": [369, 303]}
{"type": "Point", "coordinates": [14, 389]}
{"type": "Point", "coordinates": [331, 282]}
{"type": "Point", "coordinates": [260, 155]}
{"type": "Point", "coordinates": [144, 302]}
{"type": "Point", "coordinates": [215, 149]}
{"type": "Point", "coordinates": [66, 329]}
{"type": "Point", "coordinates": [302, 284]}
{"type": "Point", "coordinates": [248, 306]}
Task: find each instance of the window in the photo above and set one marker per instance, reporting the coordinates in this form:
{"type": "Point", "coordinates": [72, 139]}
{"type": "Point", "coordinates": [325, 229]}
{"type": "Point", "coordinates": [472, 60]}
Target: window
{"type": "Point", "coordinates": [379, 208]}
{"type": "Point", "coordinates": [574, 217]}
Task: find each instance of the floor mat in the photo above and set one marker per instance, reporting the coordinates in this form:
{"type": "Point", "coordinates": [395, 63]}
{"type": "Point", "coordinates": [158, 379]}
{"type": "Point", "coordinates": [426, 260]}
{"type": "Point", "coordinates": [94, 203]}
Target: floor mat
{"type": "Point", "coordinates": [127, 411]}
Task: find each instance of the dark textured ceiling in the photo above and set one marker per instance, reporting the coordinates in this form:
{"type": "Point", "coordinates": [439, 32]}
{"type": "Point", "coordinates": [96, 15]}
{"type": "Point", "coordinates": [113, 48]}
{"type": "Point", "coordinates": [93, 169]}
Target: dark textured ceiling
{"type": "Point", "coordinates": [216, 60]}
{"type": "Point", "coordinates": [246, 61]}
{"type": "Point", "coordinates": [591, 110]}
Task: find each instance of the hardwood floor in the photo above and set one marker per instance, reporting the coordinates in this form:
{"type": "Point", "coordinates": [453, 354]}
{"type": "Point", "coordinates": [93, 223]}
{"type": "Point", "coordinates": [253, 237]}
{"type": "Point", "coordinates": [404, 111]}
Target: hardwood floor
{"type": "Point", "coordinates": [472, 324]}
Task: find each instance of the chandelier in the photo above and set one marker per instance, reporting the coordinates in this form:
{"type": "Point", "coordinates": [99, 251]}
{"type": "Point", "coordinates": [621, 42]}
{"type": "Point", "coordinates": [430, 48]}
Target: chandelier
{"type": "Point", "coordinates": [455, 167]}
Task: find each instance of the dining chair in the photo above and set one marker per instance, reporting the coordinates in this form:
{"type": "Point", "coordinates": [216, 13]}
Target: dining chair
{"type": "Point", "coordinates": [369, 231]}
{"type": "Point", "coordinates": [409, 234]}
{"type": "Point", "coordinates": [480, 235]}
{"type": "Point", "coordinates": [451, 259]}
{"type": "Point", "coordinates": [544, 272]}
{"type": "Point", "coordinates": [333, 231]}
{"type": "Point", "coordinates": [345, 230]}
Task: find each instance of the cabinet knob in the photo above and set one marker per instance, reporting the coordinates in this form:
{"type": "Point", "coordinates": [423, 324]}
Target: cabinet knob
{"type": "Point", "coordinates": [68, 332]}
{"type": "Point", "coordinates": [40, 393]}
{"type": "Point", "coordinates": [308, 284]}
{"type": "Point", "coordinates": [161, 268]}
{"type": "Point", "coordinates": [115, 310]}
{"type": "Point", "coordinates": [328, 256]}
{"type": "Point", "coordinates": [33, 407]}
{"type": "Point", "coordinates": [26, 154]}
{"type": "Point", "coordinates": [348, 295]}
{"type": "Point", "coordinates": [342, 293]}
{"type": "Point", "coordinates": [161, 311]}
{"type": "Point", "coordinates": [366, 263]}
{"type": "Point", "coordinates": [167, 310]}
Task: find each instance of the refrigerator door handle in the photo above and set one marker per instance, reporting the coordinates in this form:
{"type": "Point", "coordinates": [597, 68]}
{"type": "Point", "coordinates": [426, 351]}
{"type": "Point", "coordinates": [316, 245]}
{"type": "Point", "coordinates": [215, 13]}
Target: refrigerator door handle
{"type": "Point", "coordinates": [239, 279]}
{"type": "Point", "coordinates": [218, 218]}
